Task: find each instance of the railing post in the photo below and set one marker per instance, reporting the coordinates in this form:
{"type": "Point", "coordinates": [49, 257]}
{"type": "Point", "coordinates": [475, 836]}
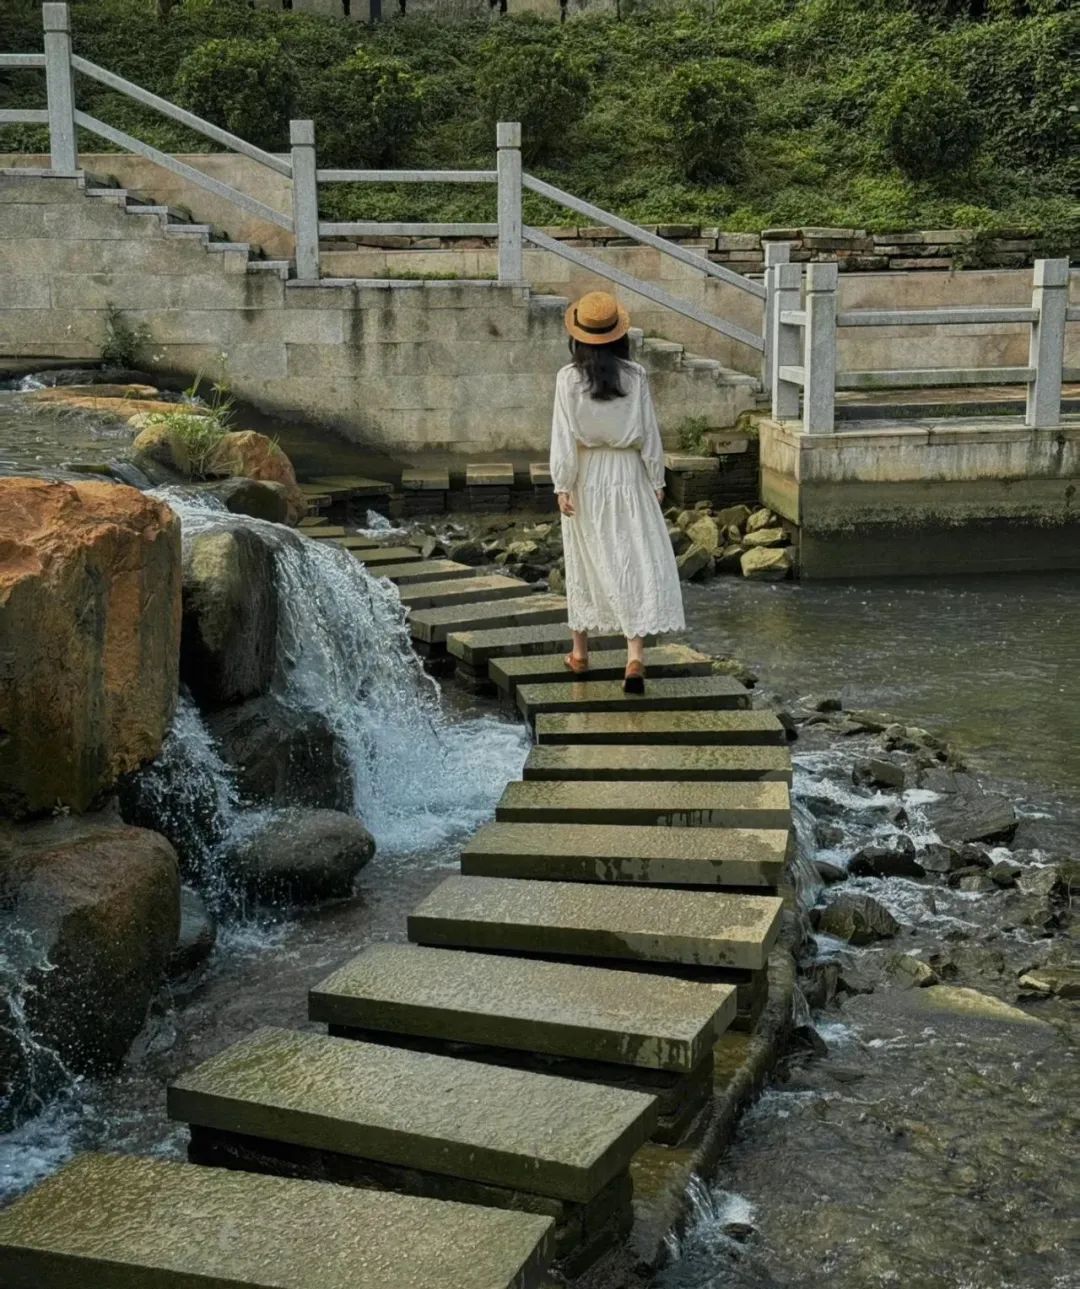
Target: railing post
{"type": "Point", "coordinates": [508, 142]}
{"type": "Point", "coordinates": [60, 87]}
{"type": "Point", "coordinates": [1046, 352]}
{"type": "Point", "coordinates": [819, 400]}
{"type": "Point", "coordinates": [776, 253]}
{"type": "Point", "coordinates": [305, 197]}
{"type": "Point", "coordinates": [786, 341]}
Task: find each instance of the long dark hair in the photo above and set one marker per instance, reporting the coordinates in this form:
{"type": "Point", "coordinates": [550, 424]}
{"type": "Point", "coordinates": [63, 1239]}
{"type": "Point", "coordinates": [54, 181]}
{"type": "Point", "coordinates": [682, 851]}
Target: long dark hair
{"type": "Point", "coordinates": [601, 366]}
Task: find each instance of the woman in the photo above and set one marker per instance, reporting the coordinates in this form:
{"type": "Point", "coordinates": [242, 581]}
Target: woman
{"type": "Point", "coordinates": [607, 465]}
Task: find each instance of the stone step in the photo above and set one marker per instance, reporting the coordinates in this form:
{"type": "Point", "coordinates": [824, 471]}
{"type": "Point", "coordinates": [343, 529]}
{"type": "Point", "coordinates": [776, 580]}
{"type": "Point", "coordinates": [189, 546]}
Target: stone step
{"type": "Point", "coordinates": [492, 586]}
{"type": "Point", "coordinates": [374, 555]}
{"type": "Point", "coordinates": [572, 919]}
{"type": "Point", "coordinates": [737, 728]}
{"type": "Point", "coordinates": [604, 664]}
{"type": "Point", "coordinates": [476, 648]}
{"type": "Point", "coordinates": [703, 762]}
{"type": "Point", "coordinates": [324, 533]}
{"type": "Point", "coordinates": [355, 543]}
{"type": "Point", "coordinates": [641, 854]}
{"type": "Point", "coordinates": [556, 1008]}
{"type": "Point", "coordinates": [426, 570]}
{"type": "Point", "coordinates": [352, 485]}
{"type": "Point", "coordinates": [109, 1220]}
{"type": "Point", "coordinates": [670, 803]}
{"type": "Point", "coordinates": [684, 693]}
{"type": "Point", "coordinates": [432, 626]}
{"type": "Point", "coordinates": [482, 1123]}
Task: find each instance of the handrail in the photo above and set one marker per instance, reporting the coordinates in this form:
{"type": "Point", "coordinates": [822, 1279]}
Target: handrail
{"type": "Point", "coordinates": [361, 228]}
{"type": "Point", "coordinates": [21, 60]}
{"type": "Point", "coordinates": [642, 235]}
{"type": "Point", "coordinates": [23, 116]}
{"type": "Point", "coordinates": [251, 204]}
{"type": "Point", "coordinates": [189, 119]}
{"type": "Point", "coordinates": [929, 377]}
{"type": "Point", "coordinates": [407, 176]}
{"type": "Point", "coordinates": [658, 296]}
{"type": "Point", "coordinates": [933, 317]}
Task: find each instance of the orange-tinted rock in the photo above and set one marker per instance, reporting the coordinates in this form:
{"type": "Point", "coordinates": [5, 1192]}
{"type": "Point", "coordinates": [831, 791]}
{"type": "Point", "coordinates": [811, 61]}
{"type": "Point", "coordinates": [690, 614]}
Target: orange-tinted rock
{"type": "Point", "coordinates": [90, 579]}
{"type": "Point", "coordinates": [254, 456]}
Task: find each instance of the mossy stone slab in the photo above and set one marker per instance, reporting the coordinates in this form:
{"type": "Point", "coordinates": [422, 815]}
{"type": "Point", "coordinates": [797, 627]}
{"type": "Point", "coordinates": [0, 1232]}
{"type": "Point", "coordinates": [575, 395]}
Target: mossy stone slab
{"type": "Point", "coordinates": [483, 1123]}
{"type": "Point", "coordinates": [574, 919]}
{"type": "Point", "coordinates": [432, 626]}
{"type": "Point", "coordinates": [575, 852]}
{"type": "Point", "coordinates": [355, 542]}
{"type": "Point", "coordinates": [690, 763]}
{"type": "Point", "coordinates": [556, 1008]}
{"type": "Point", "coordinates": [476, 648]}
{"type": "Point", "coordinates": [732, 728]}
{"type": "Point", "coordinates": [123, 1222]}
{"type": "Point", "coordinates": [425, 570]}
{"type": "Point", "coordinates": [472, 590]}
{"type": "Point", "coordinates": [662, 661]}
{"type": "Point", "coordinates": [673, 803]}
{"type": "Point", "coordinates": [681, 693]}
{"type": "Point", "coordinates": [376, 555]}
{"type": "Point", "coordinates": [322, 533]}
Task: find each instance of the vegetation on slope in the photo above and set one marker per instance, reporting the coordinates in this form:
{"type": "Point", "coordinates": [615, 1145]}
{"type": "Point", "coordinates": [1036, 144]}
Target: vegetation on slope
{"type": "Point", "coordinates": [747, 114]}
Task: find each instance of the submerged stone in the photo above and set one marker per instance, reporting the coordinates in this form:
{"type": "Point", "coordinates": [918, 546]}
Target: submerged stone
{"type": "Point", "coordinates": [301, 856]}
{"type": "Point", "coordinates": [858, 919]}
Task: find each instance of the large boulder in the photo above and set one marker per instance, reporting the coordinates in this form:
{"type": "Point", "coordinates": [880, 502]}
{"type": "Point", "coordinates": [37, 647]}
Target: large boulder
{"type": "Point", "coordinates": [302, 856]}
{"type": "Point", "coordinates": [259, 498]}
{"type": "Point", "coordinates": [858, 919]}
{"type": "Point", "coordinates": [767, 563]}
{"type": "Point", "coordinates": [229, 645]}
{"type": "Point", "coordinates": [283, 756]}
{"type": "Point", "coordinates": [973, 816]}
{"type": "Point", "coordinates": [251, 455]}
{"type": "Point", "coordinates": [89, 638]}
{"type": "Point", "coordinates": [704, 532]}
{"type": "Point", "coordinates": [100, 904]}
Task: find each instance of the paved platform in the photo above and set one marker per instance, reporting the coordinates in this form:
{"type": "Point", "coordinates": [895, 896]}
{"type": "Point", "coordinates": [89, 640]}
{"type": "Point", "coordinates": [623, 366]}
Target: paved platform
{"type": "Point", "coordinates": [673, 803]}
{"type": "Point", "coordinates": [483, 1123]}
{"type": "Point", "coordinates": [373, 556]}
{"type": "Point", "coordinates": [634, 854]}
{"type": "Point", "coordinates": [573, 919]}
{"type": "Point", "coordinates": [662, 661]}
{"type": "Point", "coordinates": [432, 626]}
{"type": "Point", "coordinates": [425, 570]}
{"type": "Point", "coordinates": [471, 590]}
{"type": "Point", "coordinates": [700, 763]}
{"type": "Point", "coordinates": [689, 693]}
{"type": "Point", "coordinates": [475, 648]}
{"type": "Point", "coordinates": [556, 1008]}
{"type": "Point", "coordinates": [121, 1222]}
{"type": "Point", "coordinates": [734, 728]}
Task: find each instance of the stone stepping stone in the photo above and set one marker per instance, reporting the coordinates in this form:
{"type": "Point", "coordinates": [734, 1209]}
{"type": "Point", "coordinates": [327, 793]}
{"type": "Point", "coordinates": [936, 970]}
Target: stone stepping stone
{"type": "Point", "coordinates": [432, 626]}
{"type": "Point", "coordinates": [604, 664]}
{"type": "Point", "coordinates": [737, 728]}
{"type": "Point", "coordinates": [557, 1008]}
{"type": "Point", "coordinates": [486, 474]}
{"type": "Point", "coordinates": [493, 586]}
{"type": "Point", "coordinates": [641, 854]}
{"type": "Point", "coordinates": [354, 542]}
{"type": "Point", "coordinates": [324, 533]}
{"type": "Point", "coordinates": [672, 803]}
{"type": "Point", "coordinates": [425, 570]}
{"type": "Point", "coordinates": [353, 485]}
{"type": "Point", "coordinates": [483, 1123]}
{"type": "Point", "coordinates": [684, 693]}
{"type": "Point", "coordinates": [110, 1220]}
{"type": "Point", "coordinates": [690, 763]}
{"type": "Point", "coordinates": [425, 480]}
{"type": "Point", "coordinates": [574, 919]}
{"type": "Point", "coordinates": [374, 555]}
{"type": "Point", "coordinates": [476, 648]}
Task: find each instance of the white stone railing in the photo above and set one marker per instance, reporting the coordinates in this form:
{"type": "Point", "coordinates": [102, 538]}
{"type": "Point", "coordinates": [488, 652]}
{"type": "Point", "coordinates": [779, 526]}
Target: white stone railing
{"type": "Point", "coordinates": [805, 345]}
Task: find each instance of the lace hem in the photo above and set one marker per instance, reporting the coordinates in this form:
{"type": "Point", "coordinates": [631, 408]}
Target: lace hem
{"type": "Point", "coordinates": [649, 628]}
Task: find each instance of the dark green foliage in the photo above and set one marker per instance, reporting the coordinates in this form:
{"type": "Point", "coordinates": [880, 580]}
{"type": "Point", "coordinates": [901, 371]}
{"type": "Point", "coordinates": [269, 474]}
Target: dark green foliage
{"type": "Point", "coordinates": [926, 124]}
{"type": "Point", "coordinates": [365, 110]}
{"type": "Point", "coordinates": [710, 109]}
{"type": "Point", "coordinates": [244, 85]}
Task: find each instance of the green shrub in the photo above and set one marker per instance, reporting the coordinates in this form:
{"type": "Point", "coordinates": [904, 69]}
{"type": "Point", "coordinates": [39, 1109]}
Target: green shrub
{"type": "Point", "coordinates": [244, 85]}
{"type": "Point", "coordinates": [366, 110]}
{"type": "Point", "coordinates": [124, 345]}
{"type": "Point", "coordinates": [710, 108]}
{"type": "Point", "coordinates": [926, 124]}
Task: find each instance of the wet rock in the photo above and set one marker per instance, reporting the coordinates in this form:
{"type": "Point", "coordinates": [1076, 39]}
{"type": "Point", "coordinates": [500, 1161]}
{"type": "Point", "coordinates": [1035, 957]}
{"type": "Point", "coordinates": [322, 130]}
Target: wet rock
{"type": "Point", "coordinates": [870, 722]}
{"type": "Point", "coordinates": [955, 1000]}
{"type": "Point", "coordinates": [733, 667]}
{"type": "Point", "coordinates": [764, 537]}
{"type": "Point", "coordinates": [1059, 982]}
{"type": "Point", "coordinates": [229, 646]}
{"type": "Point", "coordinates": [894, 857]}
{"type": "Point", "coordinates": [468, 552]}
{"type": "Point", "coordinates": [729, 558]}
{"type": "Point", "coordinates": [978, 883]}
{"type": "Point", "coordinates": [261, 499]}
{"type": "Point", "coordinates": [968, 961]}
{"type": "Point", "coordinates": [1049, 836]}
{"type": "Point", "coordinates": [705, 533]}
{"type": "Point", "coordinates": [939, 859]}
{"type": "Point", "coordinates": [303, 856]}
{"type": "Point", "coordinates": [1047, 882]}
{"type": "Point", "coordinates": [733, 516]}
{"type": "Point", "coordinates": [282, 756]}
{"type": "Point", "coordinates": [254, 456]}
{"type": "Point", "coordinates": [158, 449]}
{"type": "Point", "coordinates": [89, 638]}
{"type": "Point", "coordinates": [739, 1231]}
{"type": "Point", "coordinates": [858, 919]}
{"type": "Point", "coordinates": [827, 835]}
{"type": "Point", "coordinates": [198, 935]}
{"type": "Point", "coordinates": [860, 975]}
{"type": "Point", "coordinates": [938, 778]}
{"type": "Point", "coordinates": [985, 816]}
{"type": "Point", "coordinates": [767, 564]}
{"type": "Point", "coordinates": [819, 982]}
{"type": "Point", "coordinates": [809, 1040]}
{"type": "Point", "coordinates": [680, 540]}
{"type": "Point", "coordinates": [694, 562]}
{"type": "Point", "coordinates": [830, 874]}
{"type": "Point", "coordinates": [911, 972]}
{"type": "Point", "coordinates": [430, 547]}
{"type": "Point", "coordinates": [760, 520]}
{"type": "Point", "coordinates": [791, 730]}
{"type": "Point", "coordinates": [822, 703]}
{"type": "Point", "coordinates": [886, 774]}
{"type": "Point", "coordinates": [1004, 873]}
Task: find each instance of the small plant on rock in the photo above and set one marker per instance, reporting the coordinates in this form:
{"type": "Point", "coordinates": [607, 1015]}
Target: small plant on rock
{"type": "Point", "coordinates": [691, 435]}
{"type": "Point", "coordinates": [198, 428]}
{"type": "Point", "coordinates": [124, 345]}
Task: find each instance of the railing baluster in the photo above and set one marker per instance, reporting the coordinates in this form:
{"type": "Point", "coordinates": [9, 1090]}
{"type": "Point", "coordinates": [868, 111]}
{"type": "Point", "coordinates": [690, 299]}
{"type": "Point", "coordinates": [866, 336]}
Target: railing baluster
{"type": "Point", "coordinates": [305, 200]}
{"type": "Point", "coordinates": [776, 253]}
{"type": "Point", "coordinates": [819, 401]}
{"type": "Point", "coordinates": [63, 144]}
{"type": "Point", "coordinates": [1050, 296]}
{"type": "Point", "coordinates": [786, 341]}
{"type": "Point", "coordinates": [508, 141]}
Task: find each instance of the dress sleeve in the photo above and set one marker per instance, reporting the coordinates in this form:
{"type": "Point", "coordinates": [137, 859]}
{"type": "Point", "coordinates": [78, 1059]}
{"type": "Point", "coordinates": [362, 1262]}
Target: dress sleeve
{"type": "Point", "coordinates": [652, 448]}
{"type": "Point", "coordinates": [563, 444]}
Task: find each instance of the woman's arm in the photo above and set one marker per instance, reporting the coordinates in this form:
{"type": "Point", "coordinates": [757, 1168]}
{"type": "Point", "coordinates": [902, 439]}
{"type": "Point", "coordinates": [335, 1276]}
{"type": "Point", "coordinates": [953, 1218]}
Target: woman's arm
{"type": "Point", "coordinates": [652, 447]}
{"type": "Point", "coordinates": [563, 460]}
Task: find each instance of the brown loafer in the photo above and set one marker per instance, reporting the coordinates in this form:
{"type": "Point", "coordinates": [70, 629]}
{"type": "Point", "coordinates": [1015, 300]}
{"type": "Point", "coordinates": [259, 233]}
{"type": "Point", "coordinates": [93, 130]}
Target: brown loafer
{"type": "Point", "coordinates": [579, 666]}
{"type": "Point", "coordinates": [634, 678]}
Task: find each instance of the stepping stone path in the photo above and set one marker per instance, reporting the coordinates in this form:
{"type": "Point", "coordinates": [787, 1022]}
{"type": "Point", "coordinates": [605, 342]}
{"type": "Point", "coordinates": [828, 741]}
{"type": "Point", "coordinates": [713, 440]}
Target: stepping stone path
{"type": "Point", "coordinates": [482, 1090]}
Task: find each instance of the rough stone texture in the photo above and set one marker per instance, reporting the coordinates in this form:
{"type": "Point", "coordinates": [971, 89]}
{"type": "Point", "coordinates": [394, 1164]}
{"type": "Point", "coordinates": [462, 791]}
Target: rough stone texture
{"type": "Point", "coordinates": [254, 456]}
{"type": "Point", "coordinates": [283, 756]}
{"type": "Point", "coordinates": [432, 626]}
{"type": "Point", "coordinates": [371, 556]}
{"type": "Point", "coordinates": [654, 1022]}
{"type": "Point", "coordinates": [573, 919]}
{"type": "Point", "coordinates": [734, 728]}
{"type": "Point", "coordinates": [102, 904]}
{"type": "Point", "coordinates": [301, 856]}
{"type": "Point", "coordinates": [424, 570]}
{"type": "Point", "coordinates": [427, 595]}
{"type": "Point", "coordinates": [477, 648]}
{"type": "Point", "coordinates": [197, 937]}
{"type": "Point", "coordinates": [89, 638]}
{"type": "Point", "coordinates": [671, 803]}
{"type": "Point", "coordinates": [604, 664]}
{"type": "Point", "coordinates": [689, 693]}
{"type": "Point", "coordinates": [766, 564]}
{"type": "Point", "coordinates": [589, 852]}
{"type": "Point", "coordinates": [985, 816]}
{"type": "Point", "coordinates": [858, 919]}
{"type": "Point", "coordinates": [582, 761]}
{"type": "Point", "coordinates": [159, 450]}
{"type": "Point", "coordinates": [229, 644]}
{"type": "Point", "coordinates": [259, 498]}
{"type": "Point", "coordinates": [530, 1132]}
{"type": "Point", "coordinates": [114, 1220]}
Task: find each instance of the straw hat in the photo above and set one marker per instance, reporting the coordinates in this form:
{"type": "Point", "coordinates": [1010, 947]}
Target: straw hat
{"type": "Point", "coordinates": [597, 319]}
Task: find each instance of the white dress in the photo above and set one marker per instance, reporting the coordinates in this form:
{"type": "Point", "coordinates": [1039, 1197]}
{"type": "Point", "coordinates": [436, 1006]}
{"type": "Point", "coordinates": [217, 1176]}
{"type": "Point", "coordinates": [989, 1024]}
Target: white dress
{"type": "Point", "coordinates": [620, 568]}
